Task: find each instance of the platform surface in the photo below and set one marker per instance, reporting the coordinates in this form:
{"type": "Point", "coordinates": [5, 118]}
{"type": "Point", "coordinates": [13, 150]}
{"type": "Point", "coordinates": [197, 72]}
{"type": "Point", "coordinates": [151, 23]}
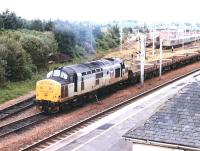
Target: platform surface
{"type": "Point", "coordinates": [177, 123]}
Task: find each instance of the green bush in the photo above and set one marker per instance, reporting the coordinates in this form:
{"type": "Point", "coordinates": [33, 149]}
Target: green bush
{"type": "Point", "coordinates": [2, 74]}
{"type": "Point", "coordinates": [66, 41]}
{"type": "Point", "coordinates": [3, 62]}
{"type": "Point", "coordinates": [22, 52]}
{"type": "Point", "coordinates": [16, 60]}
{"type": "Point", "coordinates": [39, 46]}
{"type": "Point", "coordinates": [37, 49]}
{"type": "Point", "coordinates": [109, 39]}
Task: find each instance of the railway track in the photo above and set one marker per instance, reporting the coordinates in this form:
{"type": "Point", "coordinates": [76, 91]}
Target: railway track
{"type": "Point", "coordinates": [43, 143]}
{"type": "Point", "coordinates": [14, 109]}
{"type": "Point", "coordinates": [22, 124]}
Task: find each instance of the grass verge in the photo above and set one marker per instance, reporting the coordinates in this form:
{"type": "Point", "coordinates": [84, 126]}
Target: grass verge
{"type": "Point", "coordinates": [15, 89]}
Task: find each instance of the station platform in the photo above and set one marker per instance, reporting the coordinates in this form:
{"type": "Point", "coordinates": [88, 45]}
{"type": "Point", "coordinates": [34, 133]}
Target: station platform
{"type": "Point", "coordinates": [175, 126]}
{"type": "Point", "coordinates": [106, 133]}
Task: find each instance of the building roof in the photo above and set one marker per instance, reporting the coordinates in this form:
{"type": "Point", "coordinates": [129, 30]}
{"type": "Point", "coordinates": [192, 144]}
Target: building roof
{"type": "Point", "coordinates": [177, 122]}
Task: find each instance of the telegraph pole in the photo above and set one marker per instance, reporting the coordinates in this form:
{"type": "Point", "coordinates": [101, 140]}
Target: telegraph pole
{"type": "Point", "coordinates": [142, 60]}
{"type": "Point", "coordinates": [153, 51]}
{"type": "Point", "coordinates": [121, 35]}
{"type": "Point", "coordinates": [160, 58]}
{"type": "Point", "coordinates": [138, 45]}
{"type": "Point", "coordinates": [91, 35]}
{"type": "Point", "coordinates": [183, 35]}
{"type": "Point", "coordinates": [195, 32]}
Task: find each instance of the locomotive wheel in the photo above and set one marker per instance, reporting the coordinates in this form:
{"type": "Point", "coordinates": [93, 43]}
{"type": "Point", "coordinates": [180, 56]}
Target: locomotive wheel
{"type": "Point", "coordinates": [55, 109]}
{"type": "Point", "coordinates": [39, 107]}
{"type": "Point", "coordinates": [81, 101]}
{"type": "Point", "coordinates": [51, 110]}
{"type": "Point", "coordinates": [78, 102]}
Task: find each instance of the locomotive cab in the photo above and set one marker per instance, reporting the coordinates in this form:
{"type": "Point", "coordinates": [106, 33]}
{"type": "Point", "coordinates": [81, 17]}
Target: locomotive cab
{"type": "Point", "coordinates": [49, 90]}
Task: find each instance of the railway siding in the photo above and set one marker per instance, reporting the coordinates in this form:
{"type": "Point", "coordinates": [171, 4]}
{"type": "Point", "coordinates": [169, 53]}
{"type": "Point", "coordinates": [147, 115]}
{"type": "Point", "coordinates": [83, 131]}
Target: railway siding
{"type": "Point", "coordinates": [16, 108]}
{"type": "Point", "coordinates": [21, 124]}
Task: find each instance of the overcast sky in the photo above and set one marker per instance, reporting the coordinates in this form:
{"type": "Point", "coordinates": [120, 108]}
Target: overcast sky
{"type": "Point", "coordinates": [106, 10]}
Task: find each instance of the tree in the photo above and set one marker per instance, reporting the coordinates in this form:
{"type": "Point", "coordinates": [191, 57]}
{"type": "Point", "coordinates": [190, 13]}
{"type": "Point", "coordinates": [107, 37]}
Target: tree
{"type": "Point", "coordinates": [10, 20]}
{"type": "Point", "coordinates": [37, 25]}
{"type": "Point", "coordinates": [16, 65]}
{"type": "Point", "coordinates": [109, 39]}
{"type": "Point", "coordinates": [66, 41]}
{"type": "Point", "coordinates": [115, 30]}
{"type": "Point", "coordinates": [97, 32]}
{"type": "Point", "coordinates": [49, 26]}
{"type": "Point", "coordinates": [37, 49]}
{"type": "Point", "coordinates": [1, 23]}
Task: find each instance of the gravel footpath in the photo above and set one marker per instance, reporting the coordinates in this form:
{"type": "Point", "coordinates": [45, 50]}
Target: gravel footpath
{"type": "Point", "coordinates": [20, 139]}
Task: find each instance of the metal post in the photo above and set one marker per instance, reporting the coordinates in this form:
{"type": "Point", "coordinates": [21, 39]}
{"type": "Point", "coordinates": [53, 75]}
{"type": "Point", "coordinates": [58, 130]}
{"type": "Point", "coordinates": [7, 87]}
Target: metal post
{"type": "Point", "coordinates": [138, 46]}
{"type": "Point", "coordinates": [168, 34]}
{"type": "Point", "coordinates": [91, 36]}
{"type": "Point", "coordinates": [121, 35]}
{"type": "Point", "coordinates": [183, 35]}
{"type": "Point", "coordinates": [145, 44]}
{"type": "Point", "coordinates": [160, 58]}
{"type": "Point", "coordinates": [195, 33]}
{"type": "Point", "coordinates": [142, 61]}
{"type": "Point", "coordinates": [153, 52]}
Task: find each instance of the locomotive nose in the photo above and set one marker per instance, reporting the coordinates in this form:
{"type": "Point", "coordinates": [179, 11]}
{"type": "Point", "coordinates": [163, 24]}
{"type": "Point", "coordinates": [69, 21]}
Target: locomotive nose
{"type": "Point", "coordinates": [48, 90]}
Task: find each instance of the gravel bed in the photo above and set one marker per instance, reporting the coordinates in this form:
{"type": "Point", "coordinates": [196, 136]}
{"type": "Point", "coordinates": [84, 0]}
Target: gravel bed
{"type": "Point", "coordinates": [16, 141]}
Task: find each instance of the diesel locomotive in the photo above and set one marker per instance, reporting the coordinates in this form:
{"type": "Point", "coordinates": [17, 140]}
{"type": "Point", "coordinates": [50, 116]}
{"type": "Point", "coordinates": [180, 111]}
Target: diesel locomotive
{"type": "Point", "coordinates": [75, 83]}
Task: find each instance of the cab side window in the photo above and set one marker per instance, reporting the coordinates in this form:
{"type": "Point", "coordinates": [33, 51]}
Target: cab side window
{"type": "Point", "coordinates": [117, 72]}
{"type": "Point", "coordinates": [71, 79]}
{"type": "Point", "coordinates": [63, 75]}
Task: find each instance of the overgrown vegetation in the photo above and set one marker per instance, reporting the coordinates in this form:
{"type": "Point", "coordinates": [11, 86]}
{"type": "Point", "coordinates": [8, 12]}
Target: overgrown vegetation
{"type": "Point", "coordinates": [109, 39]}
{"type": "Point", "coordinates": [27, 45]}
{"type": "Point", "coordinates": [23, 52]}
{"type": "Point", "coordinates": [66, 41]}
{"type": "Point", "coordinates": [73, 39]}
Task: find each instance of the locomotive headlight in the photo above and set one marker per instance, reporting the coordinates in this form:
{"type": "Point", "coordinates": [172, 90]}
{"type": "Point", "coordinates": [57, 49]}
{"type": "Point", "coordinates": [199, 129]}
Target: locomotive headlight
{"type": "Point", "coordinates": [56, 96]}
